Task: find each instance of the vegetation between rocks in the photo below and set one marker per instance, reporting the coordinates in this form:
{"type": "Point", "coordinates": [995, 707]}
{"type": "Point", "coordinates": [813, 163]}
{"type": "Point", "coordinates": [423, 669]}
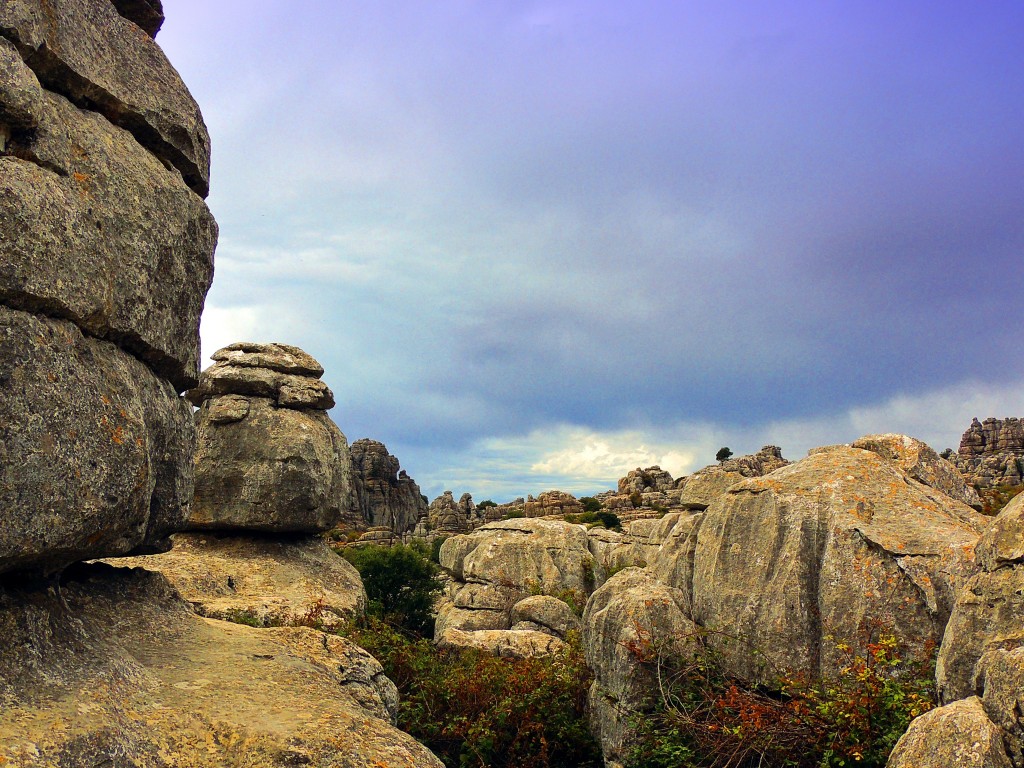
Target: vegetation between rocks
{"type": "Point", "coordinates": [709, 719]}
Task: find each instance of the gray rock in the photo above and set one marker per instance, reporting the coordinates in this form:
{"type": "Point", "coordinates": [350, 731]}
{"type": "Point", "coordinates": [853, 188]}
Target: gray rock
{"type": "Point", "coordinates": [86, 51]}
{"type": "Point", "coordinates": [275, 470]}
{"type": "Point", "coordinates": [545, 614]}
{"type": "Point", "coordinates": [959, 735]}
{"type": "Point", "coordinates": [817, 553]}
{"type": "Point", "coordinates": [283, 358]}
{"type": "Point", "coordinates": [288, 390]}
{"type": "Point", "coordinates": [988, 609]}
{"type": "Point", "coordinates": [95, 451]}
{"type": "Point", "coordinates": [633, 628]}
{"type": "Point", "coordinates": [923, 464]}
{"type": "Point", "coordinates": [385, 496]}
{"type": "Point", "coordinates": [147, 14]}
{"type": "Point", "coordinates": [505, 643]}
{"type": "Point", "coordinates": [92, 224]}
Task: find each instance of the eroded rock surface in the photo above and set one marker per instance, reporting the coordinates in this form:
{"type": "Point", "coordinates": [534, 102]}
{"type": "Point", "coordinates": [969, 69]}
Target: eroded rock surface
{"type": "Point", "coordinates": [386, 497]}
{"type": "Point", "coordinates": [817, 552]}
{"type": "Point", "coordinates": [268, 580]}
{"type": "Point", "coordinates": [992, 453]}
{"type": "Point", "coordinates": [118, 670]}
{"type": "Point", "coordinates": [271, 462]}
{"type": "Point", "coordinates": [989, 609]}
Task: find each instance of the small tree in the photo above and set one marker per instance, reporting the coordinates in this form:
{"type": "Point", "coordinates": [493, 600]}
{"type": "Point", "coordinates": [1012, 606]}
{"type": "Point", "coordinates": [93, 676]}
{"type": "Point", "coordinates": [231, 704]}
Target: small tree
{"type": "Point", "coordinates": [722, 455]}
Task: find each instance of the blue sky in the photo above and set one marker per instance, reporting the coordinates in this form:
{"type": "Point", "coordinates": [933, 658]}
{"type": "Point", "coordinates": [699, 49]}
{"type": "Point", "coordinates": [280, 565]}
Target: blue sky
{"type": "Point", "coordinates": [536, 244]}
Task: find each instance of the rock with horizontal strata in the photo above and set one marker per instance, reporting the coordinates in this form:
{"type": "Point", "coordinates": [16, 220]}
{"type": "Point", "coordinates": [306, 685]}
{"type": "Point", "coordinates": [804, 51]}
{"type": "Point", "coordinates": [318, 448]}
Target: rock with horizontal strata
{"type": "Point", "coordinates": [267, 462]}
{"type": "Point", "coordinates": [88, 52]}
{"type": "Point", "coordinates": [385, 496]}
{"type": "Point", "coordinates": [92, 222]}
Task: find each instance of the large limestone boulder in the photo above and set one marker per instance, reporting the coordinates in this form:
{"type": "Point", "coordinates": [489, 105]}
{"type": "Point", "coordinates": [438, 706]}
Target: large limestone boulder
{"type": "Point", "coordinates": [95, 450]}
{"type": "Point", "coordinates": [88, 52]}
{"type": "Point", "coordinates": [262, 580]}
{"type": "Point", "coordinates": [273, 462]}
{"type": "Point", "coordinates": [501, 563]}
{"type": "Point", "coordinates": [923, 464]}
{"type": "Point", "coordinates": [701, 488]}
{"type": "Point", "coordinates": [955, 736]}
{"type": "Point", "coordinates": [820, 552]}
{"type": "Point", "coordinates": [989, 607]}
{"type": "Point", "coordinates": [117, 670]}
{"type": "Point", "coordinates": [633, 628]}
{"type": "Point", "coordinates": [546, 614]}
{"type": "Point", "coordinates": [93, 222]}
{"type": "Point", "coordinates": [385, 496]}
{"type": "Point", "coordinates": [504, 643]}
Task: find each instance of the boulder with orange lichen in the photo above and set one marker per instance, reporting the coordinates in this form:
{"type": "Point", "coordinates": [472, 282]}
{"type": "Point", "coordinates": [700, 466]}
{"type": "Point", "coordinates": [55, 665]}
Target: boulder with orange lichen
{"type": "Point", "coordinates": [825, 551]}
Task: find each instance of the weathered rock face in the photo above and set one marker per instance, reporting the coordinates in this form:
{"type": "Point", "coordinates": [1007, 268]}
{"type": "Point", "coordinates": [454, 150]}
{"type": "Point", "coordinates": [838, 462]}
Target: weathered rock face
{"type": "Point", "coordinates": [273, 462]}
{"type": "Point", "coordinates": [106, 254]}
{"type": "Point", "coordinates": [552, 503]}
{"type": "Point", "coordinates": [89, 53]}
{"type": "Point", "coordinates": [646, 481]}
{"type": "Point", "coordinates": [955, 736]}
{"type": "Point", "coordinates": [122, 672]}
{"type": "Point", "coordinates": [386, 497]}
{"type": "Point", "coordinates": [503, 563]}
{"type": "Point", "coordinates": [98, 459]}
{"type": "Point", "coordinates": [992, 453]}
{"type": "Point", "coordinates": [269, 581]}
{"type": "Point", "coordinates": [630, 623]}
{"type": "Point", "coordinates": [446, 516]}
{"type": "Point", "coordinates": [989, 608]}
{"type": "Point", "coordinates": [923, 464]}
{"type": "Point", "coordinates": [700, 489]}
{"type": "Point", "coordinates": [94, 222]}
{"type": "Point", "coordinates": [827, 547]}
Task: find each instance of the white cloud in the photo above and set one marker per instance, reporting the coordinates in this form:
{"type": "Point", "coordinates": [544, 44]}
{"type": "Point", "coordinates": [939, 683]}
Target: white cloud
{"type": "Point", "coordinates": [583, 460]}
{"type": "Point", "coordinates": [226, 325]}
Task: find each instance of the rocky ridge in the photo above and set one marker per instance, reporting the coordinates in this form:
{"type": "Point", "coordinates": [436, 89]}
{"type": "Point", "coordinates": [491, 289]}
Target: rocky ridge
{"type": "Point", "coordinates": [991, 453]}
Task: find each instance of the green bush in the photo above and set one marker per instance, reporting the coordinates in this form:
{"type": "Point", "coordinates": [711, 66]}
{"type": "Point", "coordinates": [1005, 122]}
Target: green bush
{"type": "Point", "coordinates": [590, 504]}
{"type": "Point", "coordinates": [485, 504]}
{"type": "Point", "coordinates": [604, 518]}
{"type": "Point", "coordinates": [401, 584]}
{"type": "Point", "coordinates": [475, 710]}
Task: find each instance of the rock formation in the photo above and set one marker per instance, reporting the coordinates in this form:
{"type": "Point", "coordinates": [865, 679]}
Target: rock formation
{"type": "Point", "coordinates": [122, 672]}
{"type": "Point", "coordinates": [268, 458]}
{"type": "Point", "coordinates": [552, 503]}
{"type": "Point", "coordinates": [106, 254]}
{"type": "Point", "coordinates": [445, 516]}
{"type": "Point", "coordinates": [790, 563]}
{"type": "Point", "coordinates": [500, 565]}
{"type": "Point", "coordinates": [992, 453]}
{"type": "Point", "coordinates": [385, 496]}
{"type": "Point", "coordinates": [923, 464]}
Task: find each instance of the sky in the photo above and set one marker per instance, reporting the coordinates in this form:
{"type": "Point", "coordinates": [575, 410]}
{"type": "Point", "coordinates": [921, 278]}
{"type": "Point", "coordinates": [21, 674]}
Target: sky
{"type": "Point", "coordinates": [538, 244]}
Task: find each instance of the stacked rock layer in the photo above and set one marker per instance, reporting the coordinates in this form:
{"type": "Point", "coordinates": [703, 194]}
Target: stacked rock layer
{"type": "Point", "coordinates": [106, 254]}
{"type": "Point", "coordinates": [269, 457]}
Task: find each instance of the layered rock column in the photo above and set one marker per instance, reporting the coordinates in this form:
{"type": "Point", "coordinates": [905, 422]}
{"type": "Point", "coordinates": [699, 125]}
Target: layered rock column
{"type": "Point", "coordinates": [106, 255]}
{"type": "Point", "coordinates": [269, 457]}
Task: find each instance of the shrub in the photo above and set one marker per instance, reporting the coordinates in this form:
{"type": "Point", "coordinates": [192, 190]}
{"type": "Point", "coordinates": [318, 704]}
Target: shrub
{"type": "Point", "coordinates": [401, 584]}
{"type": "Point", "coordinates": [475, 710]}
{"type": "Point", "coordinates": [712, 720]}
{"type": "Point", "coordinates": [603, 518]}
{"type": "Point", "coordinates": [590, 504]}
{"type": "Point", "coordinates": [723, 454]}
{"type": "Point", "coordinates": [485, 504]}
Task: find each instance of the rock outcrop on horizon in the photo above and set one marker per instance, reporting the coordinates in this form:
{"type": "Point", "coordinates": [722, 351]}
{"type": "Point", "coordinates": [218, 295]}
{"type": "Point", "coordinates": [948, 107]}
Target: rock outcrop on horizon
{"type": "Point", "coordinates": [269, 458]}
{"type": "Point", "coordinates": [385, 496]}
{"type": "Point", "coordinates": [107, 254]}
{"type": "Point", "coordinates": [991, 453]}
